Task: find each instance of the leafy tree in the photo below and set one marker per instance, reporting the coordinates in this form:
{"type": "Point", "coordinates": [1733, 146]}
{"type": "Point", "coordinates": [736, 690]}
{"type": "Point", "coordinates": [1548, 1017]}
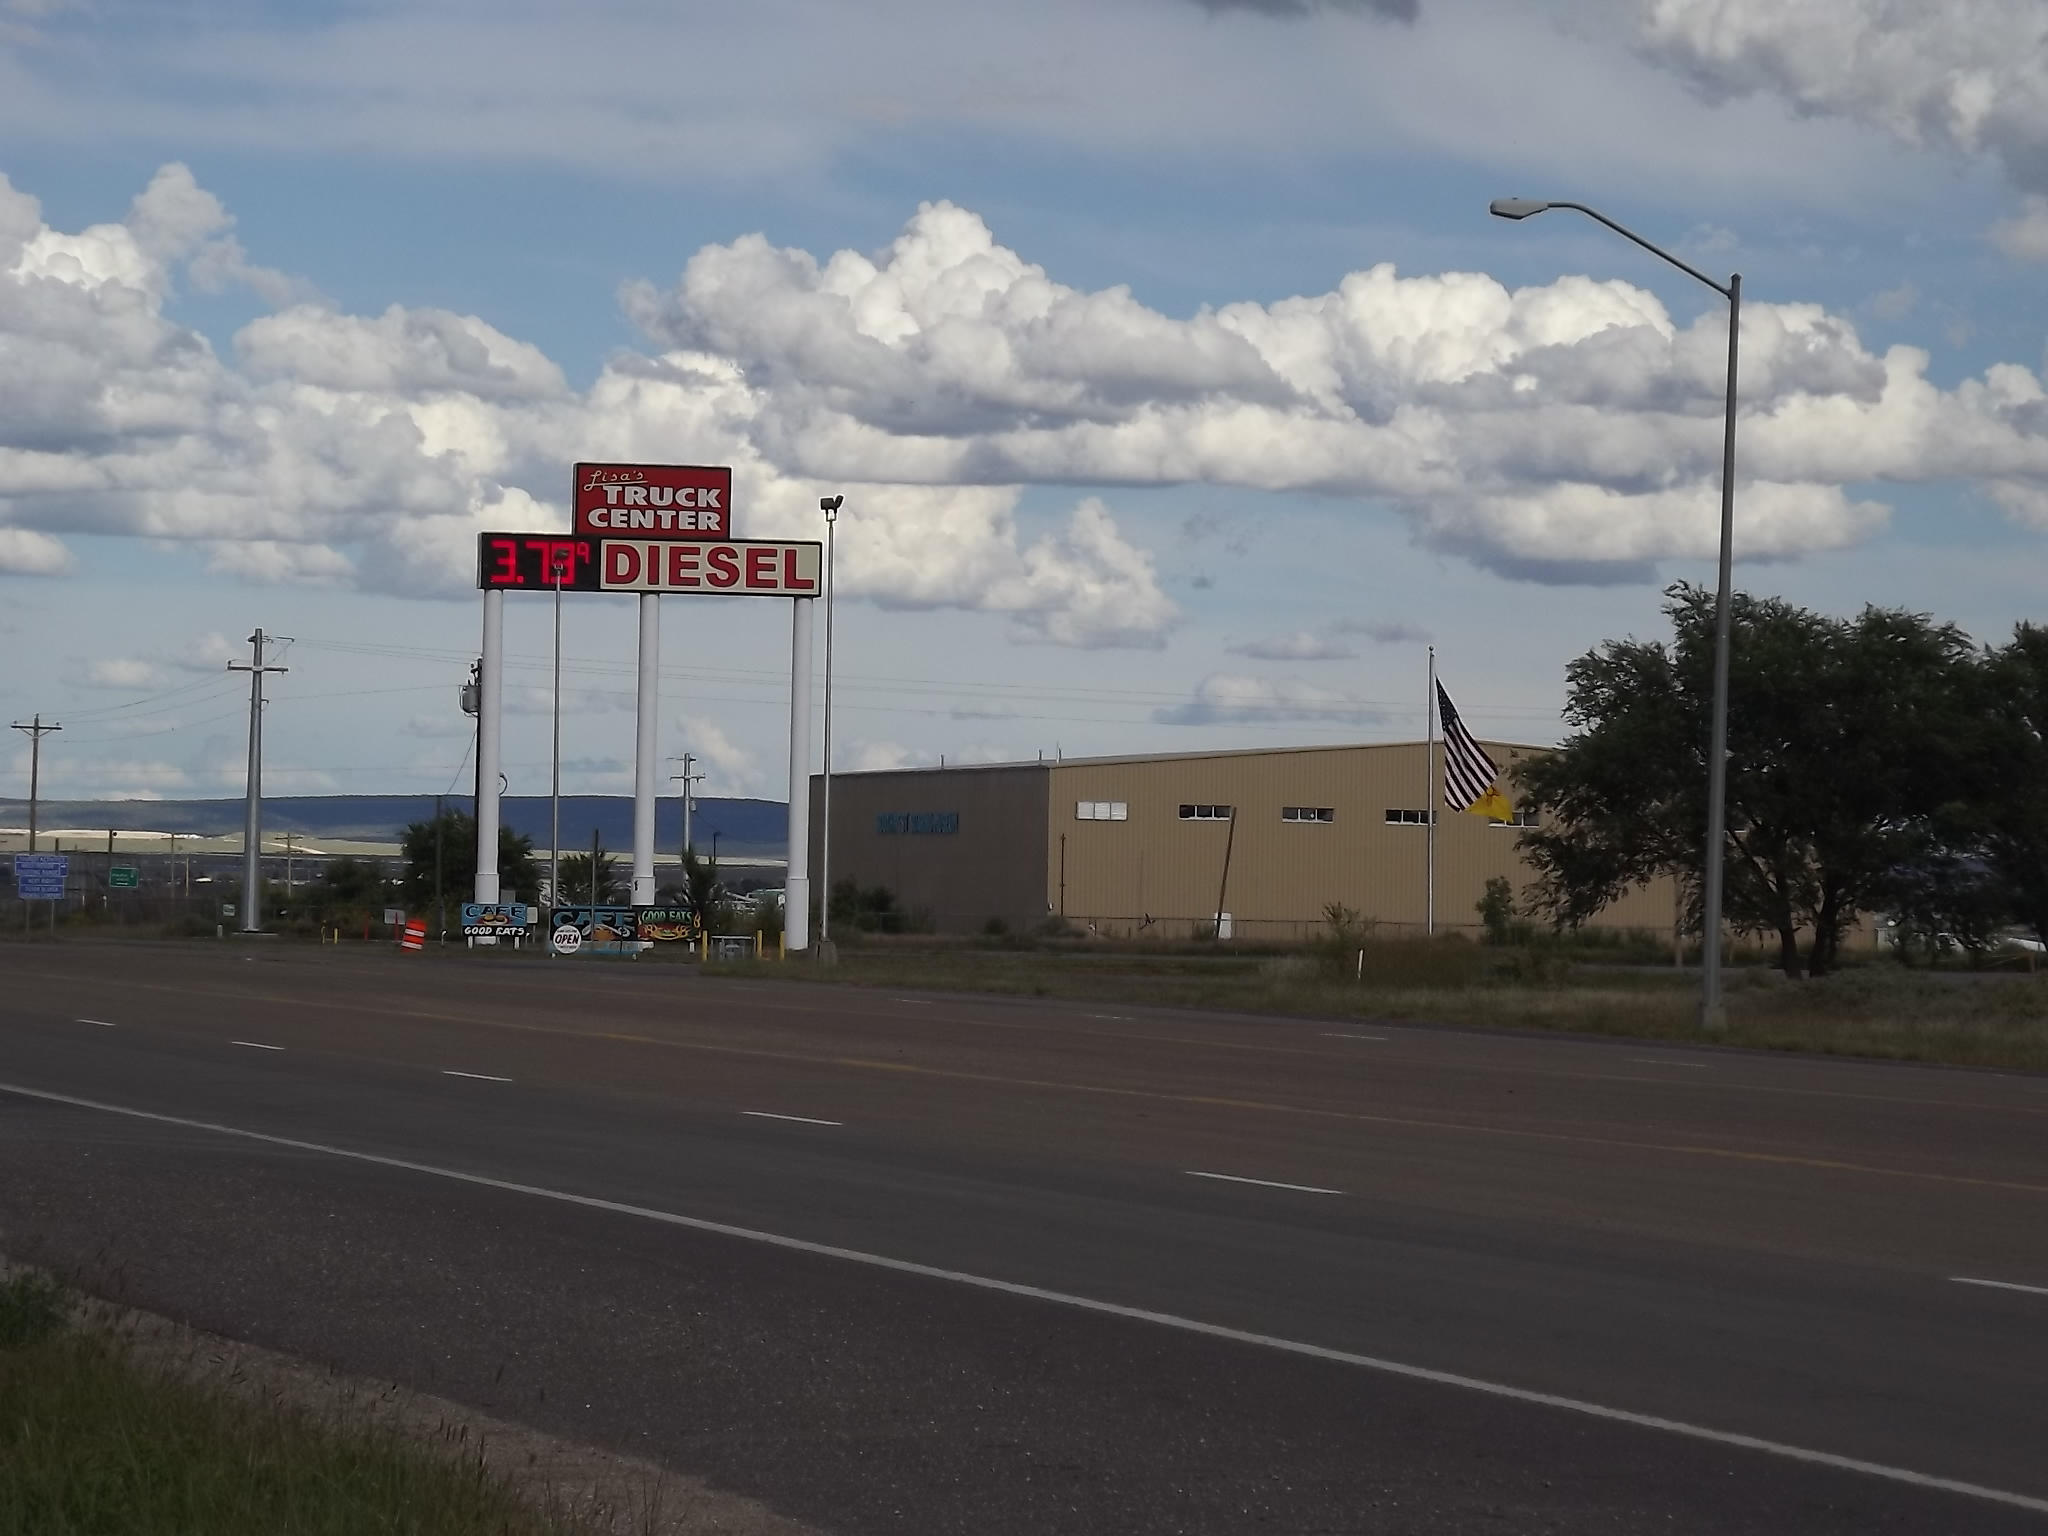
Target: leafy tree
{"type": "Point", "coordinates": [518, 877]}
{"type": "Point", "coordinates": [2003, 809]}
{"type": "Point", "coordinates": [1947, 897]}
{"type": "Point", "coordinates": [1844, 742]}
{"type": "Point", "coordinates": [575, 891]}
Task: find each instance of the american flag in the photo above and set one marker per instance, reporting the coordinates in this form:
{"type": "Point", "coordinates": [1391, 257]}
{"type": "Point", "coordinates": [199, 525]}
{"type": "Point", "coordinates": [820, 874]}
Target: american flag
{"type": "Point", "coordinates": [1469, 774]}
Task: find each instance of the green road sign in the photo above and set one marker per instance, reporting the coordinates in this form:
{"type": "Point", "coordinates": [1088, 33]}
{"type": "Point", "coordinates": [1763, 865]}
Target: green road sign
{"type": "Point", "coordinates": [124, 877]}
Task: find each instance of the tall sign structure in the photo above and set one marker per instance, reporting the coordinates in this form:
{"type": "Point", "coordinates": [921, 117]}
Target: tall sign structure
{"type": "Point", "coordinates": [654, 530]}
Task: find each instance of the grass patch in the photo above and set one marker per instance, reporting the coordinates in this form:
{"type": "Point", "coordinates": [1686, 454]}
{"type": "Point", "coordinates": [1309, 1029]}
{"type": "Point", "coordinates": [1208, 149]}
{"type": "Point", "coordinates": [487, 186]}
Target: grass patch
{"type": "Point", "coordinates": [92, 1443]}
{"type": "Point", "coordinates": [1878, 1010]}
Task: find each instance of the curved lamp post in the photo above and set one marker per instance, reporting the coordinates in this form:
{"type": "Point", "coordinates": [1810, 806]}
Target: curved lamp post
{"type": "Point", "coordinates": [1711, 1016]}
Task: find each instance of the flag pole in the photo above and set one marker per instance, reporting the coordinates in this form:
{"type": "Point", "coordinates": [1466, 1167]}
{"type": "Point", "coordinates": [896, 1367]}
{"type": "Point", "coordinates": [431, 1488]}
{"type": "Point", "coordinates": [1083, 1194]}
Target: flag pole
{"type": "Point", "coordinates": [1429, 799]}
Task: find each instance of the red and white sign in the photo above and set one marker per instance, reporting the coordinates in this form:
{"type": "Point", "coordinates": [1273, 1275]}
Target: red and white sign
{"type": "Point", "coordinates": [653, 501]}
{"type": "Point", "coordinates": [716, 568]}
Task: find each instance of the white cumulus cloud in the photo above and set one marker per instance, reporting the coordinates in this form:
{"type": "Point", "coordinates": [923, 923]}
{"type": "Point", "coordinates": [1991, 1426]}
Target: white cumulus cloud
{"type": "Point", "coordinates": [1224, 698]}
{"type": "Point", "coordinates": [1299, 646]}
{"type": "Point", "coordinates": [1567, 431]}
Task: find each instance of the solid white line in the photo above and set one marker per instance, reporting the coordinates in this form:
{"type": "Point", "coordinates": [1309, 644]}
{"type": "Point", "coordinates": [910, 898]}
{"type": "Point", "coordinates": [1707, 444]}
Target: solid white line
{"type": "Point", "coordinates": [2001, 1285]}
{"type": "Point", "coordinates": [1088, 1304]}
{"type": "Point", "coordinates": [1331, 1034]}
{"type": "Point", "coordinates": [915, 1002]}
{"type": "Point", "coordinates": [103, 1023]}
{"type": "Point", "coordinates": [482, 1077]}
{"type": "Point", "coordinates": [762, 1114]}
{"type": "Point", "coordinates": [1231, 1178]}
{"type": "Point", "coordinates": [1659, 1061]}
{"type": "Point", "coordinates": [256, 1045]}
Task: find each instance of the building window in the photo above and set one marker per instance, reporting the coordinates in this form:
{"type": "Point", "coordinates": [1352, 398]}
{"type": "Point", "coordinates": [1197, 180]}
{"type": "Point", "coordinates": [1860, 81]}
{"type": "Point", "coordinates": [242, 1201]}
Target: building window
{"type": "Point", "coordinates": [1205, 813]}
{"type": "Point", "coordinates": [1520, 819]}
{"type": "Point", "coordinates": [1403, 818]}
{"type": "Point", "coordinates": [1308, 813]}
{"type": "Point", "coordinates": [1102, 810]}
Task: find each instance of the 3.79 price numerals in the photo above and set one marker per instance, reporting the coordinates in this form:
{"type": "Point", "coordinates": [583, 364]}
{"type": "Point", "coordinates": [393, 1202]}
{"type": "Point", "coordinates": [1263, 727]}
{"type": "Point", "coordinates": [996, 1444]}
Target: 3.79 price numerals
{"type": "Point", "coordinates": [536, 561]}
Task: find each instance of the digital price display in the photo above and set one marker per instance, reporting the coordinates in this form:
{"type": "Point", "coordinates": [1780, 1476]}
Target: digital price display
{"type": "Point", "coordinates": [536, 562]}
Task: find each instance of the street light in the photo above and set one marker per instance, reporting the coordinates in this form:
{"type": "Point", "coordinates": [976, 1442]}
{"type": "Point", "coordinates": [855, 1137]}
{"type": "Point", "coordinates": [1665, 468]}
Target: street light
{"type": "Point", "coordinates": [1717, 747]}
{"type": "Point", "coordinates": [830, 506]}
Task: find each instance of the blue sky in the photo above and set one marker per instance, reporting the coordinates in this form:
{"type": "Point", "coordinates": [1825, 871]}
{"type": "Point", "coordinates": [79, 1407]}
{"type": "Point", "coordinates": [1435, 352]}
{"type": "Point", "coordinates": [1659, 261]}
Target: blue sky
{"type": "Point", "coordinates": [1137, 455]}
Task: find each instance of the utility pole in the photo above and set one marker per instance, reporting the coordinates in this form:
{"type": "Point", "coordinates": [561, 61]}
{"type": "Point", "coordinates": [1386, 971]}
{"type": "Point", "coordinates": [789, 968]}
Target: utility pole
{"type": "Point", "coordinates": [35, 731]}
{"type": "Point", "coordinates": [690, 781]}
{"type": "Point", "coordinates": [472, 705]}
{"type": "Point", "coordinates": [252, 822]}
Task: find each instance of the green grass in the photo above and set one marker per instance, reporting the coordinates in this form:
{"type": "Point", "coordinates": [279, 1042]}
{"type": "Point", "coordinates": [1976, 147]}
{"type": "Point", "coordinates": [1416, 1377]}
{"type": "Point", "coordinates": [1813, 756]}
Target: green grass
{"type": "Point", "coordinates": [93, 1443]}
{"type": "Point", "coordinates": [1877, 1010]}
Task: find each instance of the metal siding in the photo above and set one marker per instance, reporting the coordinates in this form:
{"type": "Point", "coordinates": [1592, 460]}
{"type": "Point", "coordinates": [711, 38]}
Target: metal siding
{"type": "Point", "coordinates": [990, 868]}
{"type": "Point", "coordinates": [1016, 822]}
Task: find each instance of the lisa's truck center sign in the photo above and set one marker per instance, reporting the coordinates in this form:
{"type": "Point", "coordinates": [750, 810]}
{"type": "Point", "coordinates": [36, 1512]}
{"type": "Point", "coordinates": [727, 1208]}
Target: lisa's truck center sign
{"type": "Point", "coordinates": [731, 567]}
{"type": "Point", "coordinates": [653, 501]}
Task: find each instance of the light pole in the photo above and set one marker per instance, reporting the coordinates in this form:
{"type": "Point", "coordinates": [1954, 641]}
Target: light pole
{"type": "Point", "coordinates": [830, 506]}
{"type": "Point", "coordinates": [557, 563]}
{"type": "Point", "coordinates": [1717, 746]}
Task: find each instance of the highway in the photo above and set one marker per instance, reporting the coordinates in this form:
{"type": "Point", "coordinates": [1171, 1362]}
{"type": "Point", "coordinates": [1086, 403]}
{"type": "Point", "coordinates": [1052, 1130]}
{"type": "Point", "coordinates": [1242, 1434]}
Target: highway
{"type": "Point", "coordinates": [928, 1263]}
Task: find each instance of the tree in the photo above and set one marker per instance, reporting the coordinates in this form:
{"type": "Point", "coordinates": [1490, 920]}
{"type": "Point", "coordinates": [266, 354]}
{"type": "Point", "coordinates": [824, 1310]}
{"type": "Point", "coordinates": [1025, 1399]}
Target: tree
{"type": "Point", "coordinates": [518, 877]}
{"type": "Point", "coordinates": [347, 886]}
{"type": "Point", "coordinates": [575, 891]}
{"type": "Point", "coordinates": [2003, 809]}
{"type": "Point", "coordinates": [1845, 738]}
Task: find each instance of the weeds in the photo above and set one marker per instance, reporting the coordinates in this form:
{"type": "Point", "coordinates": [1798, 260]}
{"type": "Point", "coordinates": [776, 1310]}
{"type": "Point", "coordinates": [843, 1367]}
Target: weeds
{"type": "Point", "coordinates": [93, 1441]}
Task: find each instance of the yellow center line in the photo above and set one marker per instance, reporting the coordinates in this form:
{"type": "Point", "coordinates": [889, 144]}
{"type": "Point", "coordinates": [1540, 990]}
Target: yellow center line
{"type": "Point", "coordinates": [1149, 1095]}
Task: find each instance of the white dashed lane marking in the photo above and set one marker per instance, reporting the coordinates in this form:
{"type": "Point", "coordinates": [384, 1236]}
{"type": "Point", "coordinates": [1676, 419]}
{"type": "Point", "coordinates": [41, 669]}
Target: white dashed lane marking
{"type": "Point", "coordinates": [2001, 1285]}
{"type": "Point", "coordinates": [1232, 1178]}
{"type": "Point", "coordinates": [763, 1114]}
{"type": "Point", "coordinates": [256, 1045]}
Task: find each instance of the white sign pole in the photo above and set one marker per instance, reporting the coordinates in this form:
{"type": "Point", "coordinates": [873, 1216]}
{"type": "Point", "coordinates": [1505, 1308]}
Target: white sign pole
{"type": "Point", "coordinates": [646, 734]}
{"type": "Point", "coordinates": [490, 716]}
{"type": "Point", "coordinates": [796, 896]}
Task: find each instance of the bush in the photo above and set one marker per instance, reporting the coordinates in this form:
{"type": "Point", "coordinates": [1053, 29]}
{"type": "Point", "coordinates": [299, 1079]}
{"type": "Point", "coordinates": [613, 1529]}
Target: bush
{"type": "Point", "coordinates": [996, 928]}
{"type": "Point", "coordinates": [1496, 910]}
{"type": "Point", "coordinates": [31, 1309]}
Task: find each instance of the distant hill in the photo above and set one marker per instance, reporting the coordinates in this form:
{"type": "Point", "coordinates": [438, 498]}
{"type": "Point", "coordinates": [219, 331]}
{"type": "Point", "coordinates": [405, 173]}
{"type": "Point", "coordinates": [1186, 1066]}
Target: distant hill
{"type": "Point", "coordinates": [757, 828]}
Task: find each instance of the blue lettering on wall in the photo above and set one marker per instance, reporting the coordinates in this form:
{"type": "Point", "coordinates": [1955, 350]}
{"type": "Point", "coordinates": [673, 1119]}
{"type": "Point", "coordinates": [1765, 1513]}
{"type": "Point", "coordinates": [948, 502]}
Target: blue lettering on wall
{"type": "Point", "coordinates": [918, 823]}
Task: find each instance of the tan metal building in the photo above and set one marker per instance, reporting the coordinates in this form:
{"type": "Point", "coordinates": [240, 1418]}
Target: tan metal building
{"type": "Point", "coordinates": [1140, 844]}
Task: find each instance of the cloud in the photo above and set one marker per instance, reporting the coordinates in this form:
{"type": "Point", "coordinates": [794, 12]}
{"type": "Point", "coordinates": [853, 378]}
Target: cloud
{"type": "Point", "coordinates": [1564, 432]}
{"type": "Point", "coordinates": [728, 767]}
{"type": "Point", "coordinates": [209, 652]}
{"type": "Point", "coordinates": [2024, 237]}
{"type": "Point", "coordinates": [24, 552]}
{"type": "Point", "coordinates": [122, 672]}
{"type": "Point", "coordinates": [1224, 698]}
{"type": "Point", "coordinates": [1962, 76]}
{"type": "Point", "coordinates": [1294, 10]}
{"type": "Point", "coordinates": [880, 757]}
{"type": "Point", "coordinates": [1384, 631]}
{"type": "Point", "coordinates": [1895, 303]}
{"type": "Point", "coordinates": [1299, 646]}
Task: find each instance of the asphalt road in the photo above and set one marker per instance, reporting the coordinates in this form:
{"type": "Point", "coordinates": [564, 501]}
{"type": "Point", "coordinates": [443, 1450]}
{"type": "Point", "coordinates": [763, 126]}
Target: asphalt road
{"type": "Point", "coordinates": [1092, 1269]}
